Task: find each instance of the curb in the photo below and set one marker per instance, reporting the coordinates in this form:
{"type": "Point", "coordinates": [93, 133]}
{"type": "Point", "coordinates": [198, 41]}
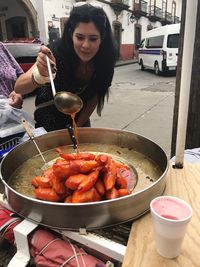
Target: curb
{"type": "Point", "coordinates": [123, 63]}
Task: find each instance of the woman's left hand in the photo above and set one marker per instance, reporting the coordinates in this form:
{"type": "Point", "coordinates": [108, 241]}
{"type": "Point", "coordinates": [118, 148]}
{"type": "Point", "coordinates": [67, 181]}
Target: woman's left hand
{"type": "Point", "coordinates": [15, 100]}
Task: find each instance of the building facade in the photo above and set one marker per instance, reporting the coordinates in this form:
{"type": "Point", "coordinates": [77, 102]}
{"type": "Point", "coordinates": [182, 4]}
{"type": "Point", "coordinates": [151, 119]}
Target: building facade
{"type": "Point", "coordinates": [45, 19]}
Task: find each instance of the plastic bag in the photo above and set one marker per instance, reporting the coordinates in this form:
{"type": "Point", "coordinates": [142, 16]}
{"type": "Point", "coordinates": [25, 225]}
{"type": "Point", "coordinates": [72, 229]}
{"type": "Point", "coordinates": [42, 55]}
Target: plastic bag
{"type": "Point", "coordinates": [36, 132]}
{"type": "Point", "coordinates": [10, 118]}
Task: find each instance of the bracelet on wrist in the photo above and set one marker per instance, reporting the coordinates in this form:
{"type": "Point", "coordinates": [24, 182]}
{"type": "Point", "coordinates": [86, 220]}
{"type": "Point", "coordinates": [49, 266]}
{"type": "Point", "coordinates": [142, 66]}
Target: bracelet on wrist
{"type": "Point", "coordinates": [34, 81]}
{"type": "Point", "coordinates": [39, 79]}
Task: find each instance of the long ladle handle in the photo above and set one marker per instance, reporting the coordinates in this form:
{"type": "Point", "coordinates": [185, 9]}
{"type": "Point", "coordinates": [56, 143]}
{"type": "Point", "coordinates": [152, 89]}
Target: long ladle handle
{"type": "Point", "coordinates": [72, 136]}
{"type": "Point", "coordinates": [27, 128]}
{"type": "Point", "coordinates": [51, 76]}
{"type": "Point", "coordinates": [30, 134]}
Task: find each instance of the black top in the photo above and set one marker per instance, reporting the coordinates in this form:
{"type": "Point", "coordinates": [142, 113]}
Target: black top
{"type": "Point", "coordinates": [52, 119]}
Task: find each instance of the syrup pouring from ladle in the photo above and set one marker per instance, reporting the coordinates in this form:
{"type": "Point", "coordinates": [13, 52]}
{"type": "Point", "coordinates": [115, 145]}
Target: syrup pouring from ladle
{"type": "Point", "coordinates": [65, 102]}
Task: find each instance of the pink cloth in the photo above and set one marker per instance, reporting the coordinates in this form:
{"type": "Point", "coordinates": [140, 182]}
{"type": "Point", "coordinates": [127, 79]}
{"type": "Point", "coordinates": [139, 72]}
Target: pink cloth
{"type": "Point", "coordinates": [8, 221]}
{"type": "Point", "coordinates": [47, 249]}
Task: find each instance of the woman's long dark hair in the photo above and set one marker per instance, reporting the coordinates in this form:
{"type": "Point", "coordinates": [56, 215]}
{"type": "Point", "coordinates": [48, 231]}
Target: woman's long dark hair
{"type": "Point", "coordinates": [105, 58]}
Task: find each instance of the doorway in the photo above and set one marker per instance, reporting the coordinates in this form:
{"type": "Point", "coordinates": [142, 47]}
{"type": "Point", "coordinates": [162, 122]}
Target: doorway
{"type": "Point", "coordinates": [117, 29]}
{"type": "Point", "coordinates": [138, 29]}
{"type": "Point", "coordinates": [16, 27]}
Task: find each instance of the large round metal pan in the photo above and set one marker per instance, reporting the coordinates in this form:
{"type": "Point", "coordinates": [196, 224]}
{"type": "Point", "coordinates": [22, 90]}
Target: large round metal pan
{"type": "Point", "coordinates": [87, 215]}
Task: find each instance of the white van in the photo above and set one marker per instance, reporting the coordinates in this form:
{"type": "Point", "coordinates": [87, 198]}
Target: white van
{"type": "Point", "coordinates": [159, 49]}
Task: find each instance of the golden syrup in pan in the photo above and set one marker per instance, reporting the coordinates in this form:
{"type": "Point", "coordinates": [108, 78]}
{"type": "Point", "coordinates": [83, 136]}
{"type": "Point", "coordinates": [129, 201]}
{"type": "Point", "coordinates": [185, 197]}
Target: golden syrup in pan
{"type": "Point", "coordinates": [147, 170]}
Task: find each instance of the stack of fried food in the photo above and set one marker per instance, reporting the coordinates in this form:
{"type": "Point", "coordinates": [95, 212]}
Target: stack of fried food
{"type": "Point", "coordinates": [83, 177]}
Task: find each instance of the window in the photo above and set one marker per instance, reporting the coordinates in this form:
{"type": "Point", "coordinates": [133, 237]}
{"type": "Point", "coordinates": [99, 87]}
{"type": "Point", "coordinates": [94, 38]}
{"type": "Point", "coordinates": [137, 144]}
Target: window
{"type": "Point", "coordinates": [16, 27]}
{"type": "Point", "coordinates": [152, 2]}
{"type": "Point", "coordinates": [63, 20]}
{"type": "Point", "coordinates": [142, 43]}
{"type": "Point", "coordinates": [117, 29]}
{"type": "Point", "coordinates": [137, 34]}
{"type": "Point", "coordinates": [164, 9]}
{"type": "Point", "coordinates": [173, 41]}
{"type": "Point", "coordinates": [173, 10]}
{"type": "Point", "coordinates": [155, 42]}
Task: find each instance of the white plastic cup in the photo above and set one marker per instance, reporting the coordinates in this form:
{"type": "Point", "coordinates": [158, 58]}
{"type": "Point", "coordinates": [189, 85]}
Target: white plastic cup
{"type": "Point", "coordinates": [170, 218]}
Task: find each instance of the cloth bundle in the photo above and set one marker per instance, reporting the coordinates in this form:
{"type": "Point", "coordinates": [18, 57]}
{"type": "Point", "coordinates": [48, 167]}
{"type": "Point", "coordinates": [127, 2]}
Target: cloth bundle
{"type": "Point", "coordinates": [8, 221]}
{"type": "Point", "coordinates": [47, 249]}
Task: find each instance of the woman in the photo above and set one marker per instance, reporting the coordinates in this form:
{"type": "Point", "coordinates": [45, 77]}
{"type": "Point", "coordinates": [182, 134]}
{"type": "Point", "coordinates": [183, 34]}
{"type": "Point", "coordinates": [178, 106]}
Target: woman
{"type": "Point", "coordinates": [84, 64]}
{"type": "Point", "coordinates": [9, 72]}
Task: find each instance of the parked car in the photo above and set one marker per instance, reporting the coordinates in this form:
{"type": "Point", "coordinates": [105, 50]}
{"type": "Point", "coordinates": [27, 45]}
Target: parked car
{"type": "Point", "coordinates": [24, 51]}
{"type": "Point", "coordinates": [159, 49]}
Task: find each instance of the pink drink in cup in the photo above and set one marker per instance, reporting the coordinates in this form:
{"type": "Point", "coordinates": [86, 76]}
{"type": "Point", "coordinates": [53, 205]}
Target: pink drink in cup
{"type": "Point", "coordinates": [170, 218]}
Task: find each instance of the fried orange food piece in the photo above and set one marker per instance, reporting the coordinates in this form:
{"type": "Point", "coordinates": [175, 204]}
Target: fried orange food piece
{"type": "Point", "coordinates": [46, 194]}
{"type": "Point", "coordinates": [73, 181]}
{"type": "Point", "coordinates": [49, 173]}
{"type": "Point", "coordinates": [58, 186]}
{"type": "Point", "coordinates": [41, 181]}
{"type": "Point", "coordinates": [97, 196]}
{"type": "Point", "coordinates": [62, 169]}
{"type": "Point", "coordinates": [121, 182]}
{"type": "Point", "coordinates": [123, 192]}
{"type": "Point", "coordinates": [110, 175]}
{"type": "Point", "coordinates": [68, 199]}
{"type": "Point", "coordinates": [100, 187]}
{"type": "Point", "coordinates": [89, 181]}
{"type": "Point", "coordinates": [83, 166]}
{"type": "Point", "coordinates": [102, 159]}
{"type": "Point", "coordinates": [82, 197]}
{"type": "Point", "coordinates": [111, 194]}
{"type": "Point", "coordinates": [83, 156]}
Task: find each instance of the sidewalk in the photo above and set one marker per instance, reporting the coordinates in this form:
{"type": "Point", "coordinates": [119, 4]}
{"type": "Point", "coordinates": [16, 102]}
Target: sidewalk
{"type": "Point", "coordinates": [125, 62]}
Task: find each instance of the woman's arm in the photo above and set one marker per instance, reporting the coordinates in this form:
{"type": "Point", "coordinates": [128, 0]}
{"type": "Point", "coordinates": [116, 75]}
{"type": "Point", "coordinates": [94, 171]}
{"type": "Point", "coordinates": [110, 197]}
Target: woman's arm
{"type": "Point", "coordinates": [15, 100]}
{"type": "Point", "coordinates": [27, 82]}
{"type": "Point", "coordinates": [86, 112]}
{"type": "Point", "coordinates": [24, 83]}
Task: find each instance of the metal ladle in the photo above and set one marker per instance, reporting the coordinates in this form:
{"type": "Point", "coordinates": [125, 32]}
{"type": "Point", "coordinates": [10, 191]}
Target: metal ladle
{"type": "Point", "coordinates": [65, 102]}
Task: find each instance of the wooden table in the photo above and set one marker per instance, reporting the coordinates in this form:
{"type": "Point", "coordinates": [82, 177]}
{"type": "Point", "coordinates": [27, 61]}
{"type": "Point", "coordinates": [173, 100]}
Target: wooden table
{"type": "Point", "coordinates": [141, 252]}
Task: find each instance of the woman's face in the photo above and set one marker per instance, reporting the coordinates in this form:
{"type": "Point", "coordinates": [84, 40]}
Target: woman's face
{"type": "Point", "coordinates": [86, 40]}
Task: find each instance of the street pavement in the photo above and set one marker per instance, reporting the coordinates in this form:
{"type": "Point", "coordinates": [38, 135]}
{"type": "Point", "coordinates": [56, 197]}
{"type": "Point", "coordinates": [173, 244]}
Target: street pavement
{"type": "Point", "coordinates": [142, 104]}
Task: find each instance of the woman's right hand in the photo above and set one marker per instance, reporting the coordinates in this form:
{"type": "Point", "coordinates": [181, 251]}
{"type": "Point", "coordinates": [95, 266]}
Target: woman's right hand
{"type": "Point", "coordinates": [41, 61]}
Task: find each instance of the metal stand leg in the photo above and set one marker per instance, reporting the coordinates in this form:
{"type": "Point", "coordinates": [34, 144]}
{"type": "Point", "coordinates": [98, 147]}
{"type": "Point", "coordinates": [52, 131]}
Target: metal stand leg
{"type": "Point", "coordinates": [21, 232]}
